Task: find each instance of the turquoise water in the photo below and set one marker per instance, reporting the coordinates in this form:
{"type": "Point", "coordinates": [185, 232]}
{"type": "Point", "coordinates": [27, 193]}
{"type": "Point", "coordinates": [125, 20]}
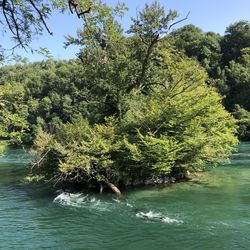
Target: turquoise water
{"type": "Point", "coordinates": [211, 214]}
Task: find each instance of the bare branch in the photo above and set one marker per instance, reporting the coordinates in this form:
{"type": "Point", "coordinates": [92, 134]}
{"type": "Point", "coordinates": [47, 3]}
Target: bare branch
{"type": "Point", "coordinates": [179, 21]}
{"type": "Point", "coordinates": [6, 18]}
{"type": "Point", "coordinates": [14, 19]}
{"type": "Point", "coordinates": [41, 17]}
{"type": "Point", "coordinates": [84, 12]}
{"type": "Point", "coordinates": [78, 12]}
{"type": "Point", "coordinates": [40, 160]}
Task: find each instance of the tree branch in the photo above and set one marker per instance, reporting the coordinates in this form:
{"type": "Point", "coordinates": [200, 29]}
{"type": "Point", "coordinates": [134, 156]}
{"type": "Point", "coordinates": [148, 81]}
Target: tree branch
{"type": "Point", "coordinates": [80, 13]}
{"type": "Point", "coordinates": [138, 82]}
{"type": "Point", "coordinates": [41, 17]}
{"type": "Point", "coordinates": [40, 160]}
{"type": "Point", "coordinates": [173, 24]}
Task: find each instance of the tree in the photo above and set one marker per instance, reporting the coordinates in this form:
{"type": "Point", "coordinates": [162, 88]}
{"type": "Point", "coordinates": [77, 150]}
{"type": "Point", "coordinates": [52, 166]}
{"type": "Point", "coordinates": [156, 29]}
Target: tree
{"type": "Point", "coordinates": [25, 19]}
{"type": "Point", "coordinates": [238, 82]}
{"type": "Point", "coordinates": [188, 38]}
{"type": "Point", "coordinates": [13, 113]}
{"type": "Point", "coordinates": [107, 51]}
{"type": "Point", "coordinates": [237, 37]}
{"type": "Point", "coordinates": [132, 109]}
{"type": "Point", "coordinates": [205, 47]}
{"type": "Point", "coordinates": [54, 92]}
{"type": "Point", "coordinates": [151, 26]}
{"type": "Point", "coordinates": [178, 126]}
{"type": "Point", "coordinates": [227, 61]}
{"type": "Point", "coordinates": [243, 117]}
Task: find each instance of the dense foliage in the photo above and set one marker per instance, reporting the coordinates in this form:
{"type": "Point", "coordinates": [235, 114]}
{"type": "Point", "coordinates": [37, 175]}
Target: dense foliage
{"type": "Point", "coordinates": [179, 126]}
{"type": "Point", "coordinates": [130, 109]}
{"type": "Point", "coordinates": [227, 60]}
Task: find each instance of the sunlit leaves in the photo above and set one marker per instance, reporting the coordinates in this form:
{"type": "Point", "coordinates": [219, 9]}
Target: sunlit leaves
{"type": "Point", "coordinates": [13, 113]}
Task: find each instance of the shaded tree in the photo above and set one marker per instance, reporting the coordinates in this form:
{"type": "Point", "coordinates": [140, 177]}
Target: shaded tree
{"type": "Point", "coordinates": [205, 47]}
{"type": "Point", "coordinates": [237, 37]}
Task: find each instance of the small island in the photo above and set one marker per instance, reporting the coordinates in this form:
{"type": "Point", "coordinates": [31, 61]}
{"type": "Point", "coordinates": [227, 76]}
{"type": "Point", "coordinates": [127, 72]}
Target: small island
{"type": "Point", "coordinates": [134, 108]}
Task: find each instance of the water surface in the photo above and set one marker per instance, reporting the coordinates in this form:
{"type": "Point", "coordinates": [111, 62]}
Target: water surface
{"type": "Point", "coordinates": [211, 214]}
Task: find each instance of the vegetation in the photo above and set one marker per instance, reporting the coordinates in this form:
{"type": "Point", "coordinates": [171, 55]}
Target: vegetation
{"type": "Point", "coordinates": [131, 108]}
{"type": "Point", "coordinates": [226, 60]}
{"type": "Point", "coordinates": [24, 20]}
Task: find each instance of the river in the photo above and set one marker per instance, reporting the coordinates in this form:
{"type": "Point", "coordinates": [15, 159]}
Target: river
{"type": "Point", "coordinates": [213, 213]}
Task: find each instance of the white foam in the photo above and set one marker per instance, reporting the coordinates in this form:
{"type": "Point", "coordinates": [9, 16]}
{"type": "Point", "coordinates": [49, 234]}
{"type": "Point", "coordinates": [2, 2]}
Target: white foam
{"type": "Point", "coordinates": [126, 203]}
{"type": "Point", "coordinates": [81, 200]}
{"type": "Point", "coordinates": [170, 221]}
{"type": "Point", "coordinates": [157, 216]}
{"type": "Point", "coordinates": [129, 205]}
{"type": "Point", "coordinates": [90, 202]}
{"type": "Point", "coordinates": [149, 215]}
{"type": "Point", "coordinates": [70, 199]}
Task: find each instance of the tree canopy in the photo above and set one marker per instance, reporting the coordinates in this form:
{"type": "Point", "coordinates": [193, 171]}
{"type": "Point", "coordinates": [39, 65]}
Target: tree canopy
{"type": "Point", "coordinates": [132, 108]}
{"type": "Point", "coordinates": [226, 59]}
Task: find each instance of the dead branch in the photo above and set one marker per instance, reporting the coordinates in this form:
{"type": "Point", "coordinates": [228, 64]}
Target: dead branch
{"type": "Point", "coordinates": [40, 160]}
{"type": "Point", "coordinates": [179, 21]}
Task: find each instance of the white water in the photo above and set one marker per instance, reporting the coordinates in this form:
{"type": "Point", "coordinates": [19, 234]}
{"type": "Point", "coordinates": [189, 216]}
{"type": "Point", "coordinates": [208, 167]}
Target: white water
{"type": "Point", "coordinates": [157, 216]}
{"type": "Point", "coordinates": [84, 200]}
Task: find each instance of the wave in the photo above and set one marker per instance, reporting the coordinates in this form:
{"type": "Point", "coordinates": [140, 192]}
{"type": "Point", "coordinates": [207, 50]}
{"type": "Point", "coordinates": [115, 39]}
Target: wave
{"type": "Point", "coordinates": [125, 203]}
{"type": "Point", "coordinates": [81, 200]}
{"type": "Point", "coordinates": [157, 216]}
{"type": "Point", "coordinates": [241, 154]}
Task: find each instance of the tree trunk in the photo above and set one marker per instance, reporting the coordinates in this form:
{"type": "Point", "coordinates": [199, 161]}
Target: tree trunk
{"type": "Point", "coordinates": [113, 188]}
{"type": "Point", "coordinates": [101, 188]}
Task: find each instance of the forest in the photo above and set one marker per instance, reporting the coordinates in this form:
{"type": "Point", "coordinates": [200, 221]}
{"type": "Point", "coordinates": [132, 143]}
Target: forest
{"type": "Point", "coordinates": [135, 106]}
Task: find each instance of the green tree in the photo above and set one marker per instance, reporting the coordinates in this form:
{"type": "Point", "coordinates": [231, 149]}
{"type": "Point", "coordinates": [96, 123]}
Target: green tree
{"type": "Point", "coordinates": [107, 51]}
{"type": "Point", "coordinates": [205, 47]}
{"type": "Point", "coordinates": [178, 126]}
{"type": "Point", "coordinates": [243, 117]}
{"type": "Point", "coordinates": [236, 38]}
{"type": "Point", "coordinates": [13, 113]}
{"type": "Point", "coordinates": [134, 109]}
{"type": "Point", "coordinates": [238, 82]}
{"type": "Point", "coordinates": [54, 91]}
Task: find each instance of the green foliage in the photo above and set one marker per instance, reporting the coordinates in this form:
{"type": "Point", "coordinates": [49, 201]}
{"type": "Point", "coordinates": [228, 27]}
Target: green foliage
{"type": "Point", "coordinates": [130, 109]}
{"type": "Point", "coordinates": [13, 113]}
{"type": "Point", "coordinates": [205, 47]}
{"type": "Point", "coordinates": [243, 117]}
{"type": "Point", "coordinates": [152, 22]}
{"type": "Point", "coordinates": [81, 152]}
{"type": "Point", "coordinates": [237, 37]}
{"type": "Point", "coordinates": [52, 91]}
{"type": "Point", "coordinates": [34, 178]}
{"type": "Point", "coordinates": [226, 59]}
{"type": "Point", "coordinates": [3, 147]}
{"type": "Point", "coordinates": [180, 124]}
{"type": "Point", "coordinates": [238, 82]}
